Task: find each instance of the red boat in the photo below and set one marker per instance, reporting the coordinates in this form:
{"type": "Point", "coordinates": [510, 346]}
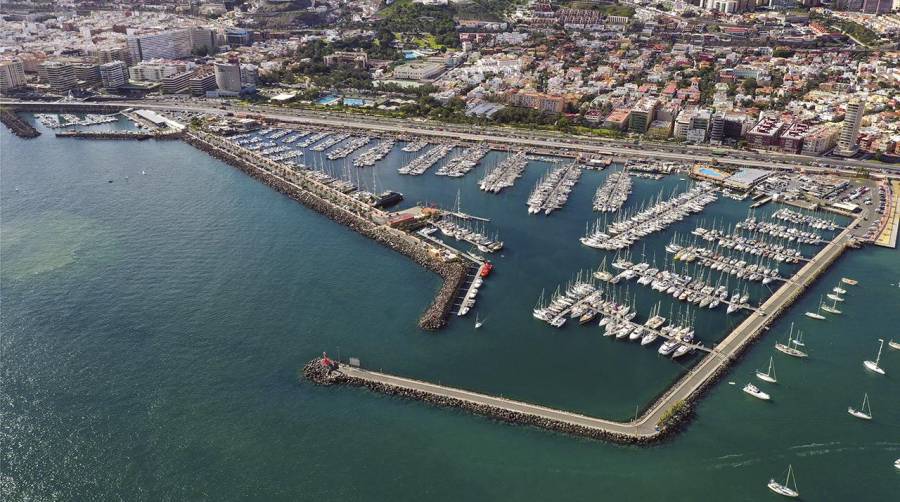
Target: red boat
{"type": "Point", "coordinates": [485, 269]}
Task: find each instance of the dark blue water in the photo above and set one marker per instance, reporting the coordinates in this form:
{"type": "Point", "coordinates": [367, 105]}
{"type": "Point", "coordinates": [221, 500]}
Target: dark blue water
{"type": "Point", "coordinates": [153, 328]}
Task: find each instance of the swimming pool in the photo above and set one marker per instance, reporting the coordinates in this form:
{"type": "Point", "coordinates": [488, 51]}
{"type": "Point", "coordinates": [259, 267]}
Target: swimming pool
{"type": "Point", "coordinates": [712, 173]}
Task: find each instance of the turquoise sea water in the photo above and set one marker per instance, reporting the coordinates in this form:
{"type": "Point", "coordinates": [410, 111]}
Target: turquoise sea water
{"type": "Point", "coordinates": [153, 328]}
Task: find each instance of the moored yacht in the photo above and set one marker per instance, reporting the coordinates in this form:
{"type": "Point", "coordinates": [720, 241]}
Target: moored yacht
{"type": "Point", "coordinates": [865, 410]}
{"type": "Point", "coordinates": [768, 376]}
{"type": "Point", "coordinates": [785, 489]}
{"type": "Point", "coordinates": [873, 365]}
{"type": "Point", "coordinates": [755, 392]}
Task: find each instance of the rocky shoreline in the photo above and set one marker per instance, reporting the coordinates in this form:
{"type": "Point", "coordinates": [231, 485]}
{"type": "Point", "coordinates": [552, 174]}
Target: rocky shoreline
{"type": "Point", "coordinates": [137, 135]}
{"type": "Point", "coordinates": [453, 273]}
{"type": "Point", "coordinates": [19, 127]}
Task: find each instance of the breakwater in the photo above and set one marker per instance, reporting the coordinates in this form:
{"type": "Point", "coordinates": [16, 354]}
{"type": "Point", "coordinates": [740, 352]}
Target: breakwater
{"type": "Point", "coordinates": [138, 135]}
{"type": "Point", "coordinates": [502, 410]}
{"type": "Point", "coordinates": [351, 213]}
{"type": "Point", "coordinates": [19, 127]}
{"type": "Point", "coordinates": [670, 412]}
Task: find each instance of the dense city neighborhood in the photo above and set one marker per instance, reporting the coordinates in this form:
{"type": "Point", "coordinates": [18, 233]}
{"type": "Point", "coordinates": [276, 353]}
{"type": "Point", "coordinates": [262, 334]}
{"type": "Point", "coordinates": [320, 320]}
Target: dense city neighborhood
{"type": "Point", "coordinates": [779, 76]}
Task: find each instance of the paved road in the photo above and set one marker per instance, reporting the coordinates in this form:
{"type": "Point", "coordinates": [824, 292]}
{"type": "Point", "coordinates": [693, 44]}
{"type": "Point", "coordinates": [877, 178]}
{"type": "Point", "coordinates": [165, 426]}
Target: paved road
{"type": "Point", "coordinates": [645, 426]}
{"type": "Point", "coordinates": [509, 136]}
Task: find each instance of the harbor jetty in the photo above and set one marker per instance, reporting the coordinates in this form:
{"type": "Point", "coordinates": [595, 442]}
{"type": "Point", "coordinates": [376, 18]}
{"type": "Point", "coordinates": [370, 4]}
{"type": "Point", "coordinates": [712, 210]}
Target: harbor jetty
{"type": "Point", "coordinates": [17, 125]}
{"type": "Point", "coordinates": [662, 419]}
{"type": "Point", "coordinates": [346, 210]}
{"type": "Point", "coordinates": [138, 135]}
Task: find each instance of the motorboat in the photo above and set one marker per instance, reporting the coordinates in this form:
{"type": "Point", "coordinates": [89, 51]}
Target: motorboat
{"type": "Point", "coordinates": [755, 392]}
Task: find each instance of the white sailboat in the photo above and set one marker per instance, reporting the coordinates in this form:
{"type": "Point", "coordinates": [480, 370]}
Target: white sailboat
{"type": "Point", "coordinates": [873, 365]}
{"type": "Point", "coordinates": [768, 376]}
{"type": "Point", "coordinates": [789, 348]}
{"type": "Point", "coordinates": [838, 290]}
{"type": "Point", "coordinates": [865, 410]}
{"type": "Point", "coordinates": [785, 489]}
{"type": "Point", "coordinates": [894, 345]}
{"type": "Point", "coordinates": [755, 392]}
{"type": "Point", "coordinates": [837, 298]}
{"type": "Point", "coordinates": [816, 314]}
{"type": "Point", "coordinates": [832, 309]}
{"type": "Point", "coordinates": [478, 323]}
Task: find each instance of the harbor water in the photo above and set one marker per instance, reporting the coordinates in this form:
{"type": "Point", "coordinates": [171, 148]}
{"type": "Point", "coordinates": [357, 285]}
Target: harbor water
{"type": "Point", "coordinates": [158, 304]}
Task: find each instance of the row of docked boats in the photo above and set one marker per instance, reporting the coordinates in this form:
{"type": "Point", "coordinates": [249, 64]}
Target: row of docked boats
{"type": "Point", "coordinates": [758, 271]}
{"type": "Point", "coordinates": [463, 230]}
{"type": "Point", "coordinates": [351, 146]}
{"type": "Point", "coordinates": [628, 229]}
{"type": "Point", "coordinates": [583, 301]}
{"type": "Point", "coordinates": [757, 245]}
{"type": "Point", "coordinates": [278, 133]}
{"type": "Point", "coordinates": [552, 191]}
{"type": "Point", "coordinates": [504, 174]}
{"type": "Point", "coordinates": [697, 290]}
{"type": "Point", "coordinates": [313, 138]}
{"type": "Point", "coordinates": [295, 136]}
{"type": "Point", "coordinates": [613, 193]}
{"type": "Point", "coordinates": [798, 218]}
{"type": "Point", "coordinates": [414, 146]}
{"type": "Point", "coordinates": [420, 164]}
{"type": "Point", "coordinates": [372, 155]}
{"type": "Point", "coordinates": [329, 142]}
{"type": "Point", "coordinates": [460, 165]}
{"type": "Point", "coordinates": [468, 300]}
{"type": "Point", "coordinates": [790, 233]}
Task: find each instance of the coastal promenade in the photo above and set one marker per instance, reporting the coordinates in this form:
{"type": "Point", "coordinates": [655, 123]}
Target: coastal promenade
{"type": "Point", "coordinates": [655, 423]}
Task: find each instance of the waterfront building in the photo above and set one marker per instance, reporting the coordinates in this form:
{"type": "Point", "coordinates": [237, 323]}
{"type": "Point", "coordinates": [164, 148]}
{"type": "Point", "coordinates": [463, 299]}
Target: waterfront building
{"type": "Point", "coordinates": [765, 133]}
{"type": "Point", "coordinates": [203, 81]}
{"type": "Point", "coordinates": [176, 83]}
{"type": "Point", "coordinates": [12, 75]}
{"type": "Point", "coordinates": [791, 140]}
{"type": "Point", "coordinates": [113, 74]}
{"type": "Point", "coordinates": [156, 71]}
{"type": "Point", "coordinates": [642, 115]}
{"type": "Point", "coordinates": [171, 44]}
{"type": "Point", "coordinates": [228, 77]}
{"type": "Point", "coordinates": [848, 141]}
{"type": "Point", "coordinates": [60, 76]}
{"type": "Point", "coordinates": [617, 120]}
{"type": "Point", "coordinates": [820, 140]}
{"type": "Point", "coordinates": [87, 73]}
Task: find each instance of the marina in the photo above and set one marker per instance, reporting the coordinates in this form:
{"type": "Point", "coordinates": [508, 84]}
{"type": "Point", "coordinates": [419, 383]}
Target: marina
{"type": "Point", "coordinates": [628, 229]}
{"type": "Point", "coordinates": [613, 193]}
{"type": "Point", "coordinates": [552, 191]}
{"type": "Point", "coordinates": [463, 163]}
{"type": "Point", "coordinates": [422, 163]}
{"type": "Point", "coordinates": [504, 174]}
{"type": "Point", "coordinates": [721, 407]}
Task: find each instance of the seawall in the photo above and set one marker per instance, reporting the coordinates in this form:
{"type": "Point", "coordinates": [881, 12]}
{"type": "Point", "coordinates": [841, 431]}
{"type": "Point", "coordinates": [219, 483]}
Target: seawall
{"type": "Point", "coordinates": [138, 135]}
{"type": "Point", "coordinates": [19, 127]}
{"type": "Point", "coordinates": [453, 273]}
